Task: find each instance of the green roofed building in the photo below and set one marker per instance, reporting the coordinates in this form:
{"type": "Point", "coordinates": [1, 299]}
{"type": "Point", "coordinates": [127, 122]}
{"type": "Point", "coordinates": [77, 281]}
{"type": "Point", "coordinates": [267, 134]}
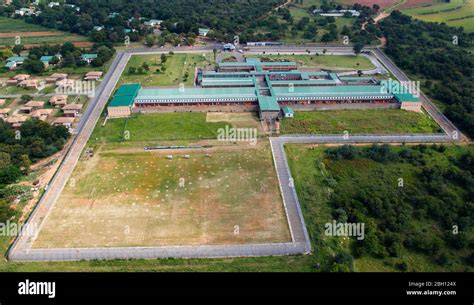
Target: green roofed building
{"type": "Point", "coordinates": [123, 100]}
{"type": "Point", "coordinates": [273, 88]}
{"type": "Point", "coordinates": [88, 57]}
{"type": "Point", "coordinates": [287, 112]}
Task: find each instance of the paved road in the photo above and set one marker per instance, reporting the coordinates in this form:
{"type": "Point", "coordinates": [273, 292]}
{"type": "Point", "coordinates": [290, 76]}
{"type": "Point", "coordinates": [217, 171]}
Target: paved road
{"type": "Point", "coordinates": [21, 249]}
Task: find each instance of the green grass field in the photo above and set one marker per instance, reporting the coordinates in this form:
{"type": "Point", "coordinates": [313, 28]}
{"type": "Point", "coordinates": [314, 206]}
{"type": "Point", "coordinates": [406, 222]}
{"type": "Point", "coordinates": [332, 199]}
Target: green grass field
{"type": "Point", "coordinates": [177, 66]}
{"type": "Point", "coordinates": [359, 121]}
{"type": "Point", "coordinates": [334, 62]}
{"type": "Point", "coordinates": [9, 28]}
{"type": "Point", "coordinates": [157, 127]}
{"type": "Point", "coordinates": [455, 13]}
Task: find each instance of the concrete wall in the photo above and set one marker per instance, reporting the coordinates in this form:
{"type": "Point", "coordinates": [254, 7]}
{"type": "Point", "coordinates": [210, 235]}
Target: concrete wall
{"type": "Point", "coordinates": [210, 108]}
{"type": "Point", "coordinates": [118, 112]}
{"type": "Point", "coordinates": [343, 106]}
{"type": "Point", "coordinates": [411, 106]}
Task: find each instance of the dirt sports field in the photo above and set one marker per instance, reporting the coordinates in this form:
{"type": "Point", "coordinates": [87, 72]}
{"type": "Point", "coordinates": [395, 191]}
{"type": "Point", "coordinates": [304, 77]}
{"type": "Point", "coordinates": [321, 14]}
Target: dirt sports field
{"type": "Point", "coordinates": [131, 197]}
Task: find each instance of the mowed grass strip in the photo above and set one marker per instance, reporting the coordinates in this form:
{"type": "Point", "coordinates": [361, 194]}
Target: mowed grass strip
{"type": "Point", "coordinates": [336, 62]}
{"type": "Point", "coordinates": [359, 121]}
{"type": "Point", "coordinates": [157, 127]}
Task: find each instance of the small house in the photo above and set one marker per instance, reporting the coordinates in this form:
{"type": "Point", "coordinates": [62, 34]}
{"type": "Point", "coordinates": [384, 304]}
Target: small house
{"type": "Point", "coordinates": [4, 113]}
{"type": "Point", "coordinates": [29, 84]}
{"type": "Point", "coordinates": [64, 121]}
{"type": "Point", "coordinates": [56, 77]}
{"type": "Point", "coordinates": [58, 100]}
{"type": "Point", "coordinates": [93, 75]}
{"type": "Point", "coordinates": [203, 32]}
{"type": "Point", "coordinates": [72, 110]}
{"type": "Point", "coordinates": [288, 112]}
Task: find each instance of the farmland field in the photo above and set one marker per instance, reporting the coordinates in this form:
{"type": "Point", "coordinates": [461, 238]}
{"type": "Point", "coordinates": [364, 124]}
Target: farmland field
{"type": "Point", "coordinates": [179, 68]}
{"type": "Point", "coordinates": [32, 34]}
{"type": "Point", "coordinates": [455, 13]}
{"type": "Point", "coordinates": [359, 121]}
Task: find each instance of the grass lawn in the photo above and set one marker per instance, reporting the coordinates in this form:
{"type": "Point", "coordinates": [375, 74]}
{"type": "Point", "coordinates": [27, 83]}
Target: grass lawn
{"type": "Point", "coordinates": [179, 69]}
{"type": "Point", "coordinates": [455, 13]}
{"type": "Point", "coordinates": [359, 121]}
{"type": "Point", "coordinates": [334, 62]}
{"type": "Point", "coordinates": [157, 127]}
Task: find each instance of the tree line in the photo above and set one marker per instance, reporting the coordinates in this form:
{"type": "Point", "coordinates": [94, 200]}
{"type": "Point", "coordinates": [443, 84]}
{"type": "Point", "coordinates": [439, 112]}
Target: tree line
{"type": "Point", "coordinates": [226, 18]}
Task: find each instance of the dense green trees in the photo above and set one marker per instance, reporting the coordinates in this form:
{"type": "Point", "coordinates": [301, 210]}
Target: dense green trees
{"type": "Point", "coordinates": [430, 213]}
{"type": "Point", "coordinates": [33, 141]}
{"type": "Point", "coordinates": [225, 17]}
{"type": "Point", "coordinates": [439, 54]}
{"type": "Point", "coordinates": [18, 148]}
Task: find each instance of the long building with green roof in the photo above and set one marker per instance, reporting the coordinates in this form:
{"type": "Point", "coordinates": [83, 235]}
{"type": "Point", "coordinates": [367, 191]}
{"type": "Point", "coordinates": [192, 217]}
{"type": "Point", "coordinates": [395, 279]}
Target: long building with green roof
{"type": "Point", "coordinates": [259, 86]}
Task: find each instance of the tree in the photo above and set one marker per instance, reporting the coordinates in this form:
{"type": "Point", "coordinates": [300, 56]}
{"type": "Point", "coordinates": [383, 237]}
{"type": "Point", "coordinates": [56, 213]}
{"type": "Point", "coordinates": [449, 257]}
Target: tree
{"type": "Point", "coordinates": [146, 66]}
{"type": "Point", "coordinates": [132, 70]}
{"type": "Point", "coordinates": [5, 160]}
{"type": "Point", "coordinates": [163, 58]}
{"type": "Point", "coordinates": [34, 66]}
{"type": "Point", "coordinates": [311, 32]}
{"type": "Point", "coordinates": [6, 212]}
{"type": "Point", "coordinates": [150, 40]}
{"type": "Point", "coordinates": [26, 98]}
{"type": "Point", "coordinates": [358, 47]}
{"type": "Point", "coordinates": [55, 60]}
{"type": "Point", "coordinates": [9, 174]}
{"type": "Point", "coordinates": [69, 60]}
{"type": "Point", "coordinates": [7, 52]}
{"type": "Point", "coordinates": [214, 51]}
{"type": "Point", "coordinates": [25, 164]}
{"type": "Point", "coordinates": [67, 47]}
{"type": "Point", "coordinates": [17, 49]}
